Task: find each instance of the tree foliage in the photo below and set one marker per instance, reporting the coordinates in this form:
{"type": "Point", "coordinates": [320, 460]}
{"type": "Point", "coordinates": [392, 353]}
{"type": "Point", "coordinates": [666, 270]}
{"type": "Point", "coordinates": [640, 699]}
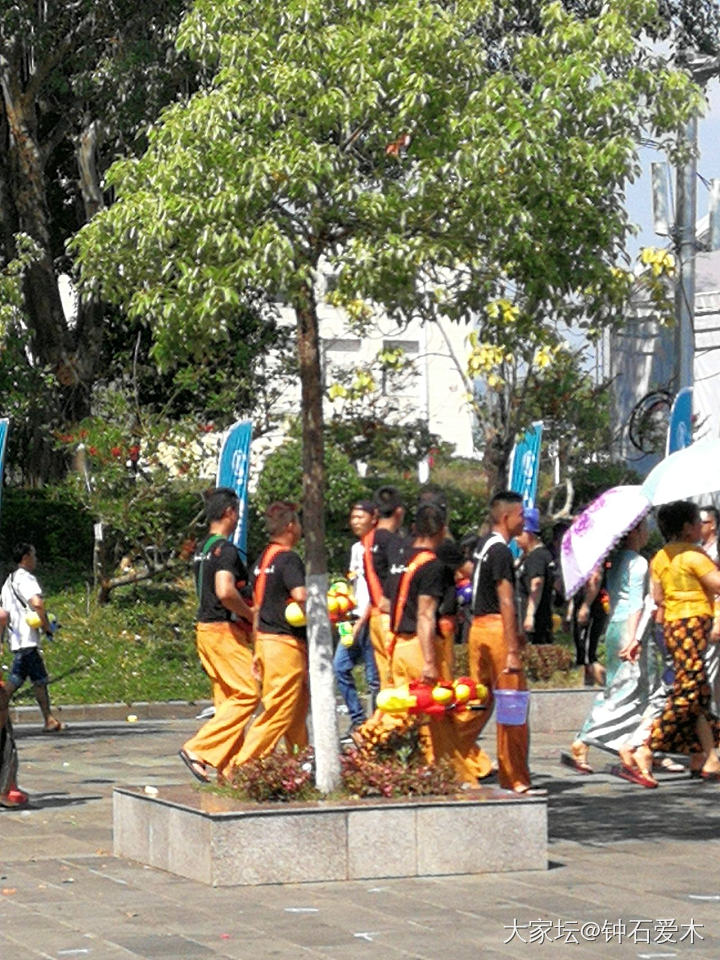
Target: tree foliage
{"type": "Point", "coordinates": [393, 141]}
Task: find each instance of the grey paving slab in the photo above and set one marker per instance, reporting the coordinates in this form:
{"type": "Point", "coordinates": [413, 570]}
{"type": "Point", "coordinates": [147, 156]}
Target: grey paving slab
{"type": "Point", "coordinates": [617, 853]}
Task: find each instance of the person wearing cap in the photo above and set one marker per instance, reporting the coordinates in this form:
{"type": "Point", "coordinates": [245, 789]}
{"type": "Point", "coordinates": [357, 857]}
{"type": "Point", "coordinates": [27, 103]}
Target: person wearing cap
{"type": "Point", "coordinates": [361, 522]}
{"type": "Point", "coordinates": [535, 578]}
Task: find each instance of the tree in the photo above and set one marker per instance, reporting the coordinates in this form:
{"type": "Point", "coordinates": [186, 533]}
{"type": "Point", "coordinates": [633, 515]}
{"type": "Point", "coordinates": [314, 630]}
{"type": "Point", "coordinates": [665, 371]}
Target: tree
{"type": "Point", "coordinates": [370, 420]}
{"type": "Point", "coordinates": [385, 139]}
{"type": "Point", "coordinates": [78, 83]}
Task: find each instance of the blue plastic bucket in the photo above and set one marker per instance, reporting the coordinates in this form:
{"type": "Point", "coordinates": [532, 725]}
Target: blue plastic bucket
{"type": "Point", "coordinates": [512, 706]}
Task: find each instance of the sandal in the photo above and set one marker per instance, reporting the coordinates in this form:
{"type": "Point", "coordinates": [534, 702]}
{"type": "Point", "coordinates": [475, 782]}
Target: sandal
{"type": "Point", "coordinates": [710, 775]}
{"type": "Point", "coordinates": [634, 775]}
{"type": "Point", "coordinates": [196, 767]}
{"type": "Point", "coordinates": [576, 764]}
{"type": "Point", "coordinates": [54, 726]}
{"type": "Point", "coordinates": [668, 765]}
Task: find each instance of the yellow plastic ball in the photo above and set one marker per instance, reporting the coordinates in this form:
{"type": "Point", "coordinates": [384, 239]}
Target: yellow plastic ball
{"type": "Point", "coordinates": [295, 615]}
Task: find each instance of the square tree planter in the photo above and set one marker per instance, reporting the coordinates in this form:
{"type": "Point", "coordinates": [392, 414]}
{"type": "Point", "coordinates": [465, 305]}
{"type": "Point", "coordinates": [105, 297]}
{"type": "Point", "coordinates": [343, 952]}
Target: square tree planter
{"type": "Point", "coordinates": [220, 841]}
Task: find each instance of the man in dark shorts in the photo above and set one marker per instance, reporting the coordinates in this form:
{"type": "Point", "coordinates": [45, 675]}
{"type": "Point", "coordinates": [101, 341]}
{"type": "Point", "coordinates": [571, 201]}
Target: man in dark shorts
{"type": "Point", "coordinates": [223, 635]}
{"type": "Point", "coordinates": [22, 598]}
{"type": "Point", "coordinates": [280, 648]}
{"type": "Point", "coordinates": [536, 575]}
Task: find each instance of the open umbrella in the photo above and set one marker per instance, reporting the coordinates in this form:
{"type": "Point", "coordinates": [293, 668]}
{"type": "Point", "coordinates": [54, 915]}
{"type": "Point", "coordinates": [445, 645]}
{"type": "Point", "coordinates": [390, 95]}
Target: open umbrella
{"type": "Point", "coordinates": [689, 472]}
{"type": "Point", "coordinates": [595, 532]}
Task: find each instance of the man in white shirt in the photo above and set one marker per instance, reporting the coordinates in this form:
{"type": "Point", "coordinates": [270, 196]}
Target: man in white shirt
{"type": "Point", "coordinates": [22, 598]}
{"type": "Point", "coordinates": [362, 520]}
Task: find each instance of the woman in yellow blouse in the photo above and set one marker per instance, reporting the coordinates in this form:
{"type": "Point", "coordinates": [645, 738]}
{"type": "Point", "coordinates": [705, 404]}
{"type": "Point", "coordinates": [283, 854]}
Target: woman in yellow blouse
{"type": "Point", "coordinates": [685, 582]}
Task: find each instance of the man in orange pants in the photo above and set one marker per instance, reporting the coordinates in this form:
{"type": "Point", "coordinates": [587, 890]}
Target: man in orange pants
{"type": "Point", "coordinates": [494, 642]}
{"type": "Point", "coordinates": [378, 546]}
{"type": "Point", "coordinates": [416, 593]}
{"type": "Point", "coordinates": [281, 649]}
{"type": "Point", "coordinates": [224, 641]}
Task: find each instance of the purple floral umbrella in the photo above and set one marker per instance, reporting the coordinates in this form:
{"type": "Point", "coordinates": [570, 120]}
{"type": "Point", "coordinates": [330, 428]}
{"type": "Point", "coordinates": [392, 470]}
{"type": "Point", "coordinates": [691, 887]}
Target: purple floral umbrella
{"type": "Point", "coordinates": [596, 531]}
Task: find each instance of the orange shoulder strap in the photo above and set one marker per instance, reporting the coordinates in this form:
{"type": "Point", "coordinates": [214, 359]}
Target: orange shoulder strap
{"type": "Point", "coordinates": [373, 580]}
{"type": "Point", "coordinates": [419, 560]}
{"type": "Point", "coordinates": [266, 559]}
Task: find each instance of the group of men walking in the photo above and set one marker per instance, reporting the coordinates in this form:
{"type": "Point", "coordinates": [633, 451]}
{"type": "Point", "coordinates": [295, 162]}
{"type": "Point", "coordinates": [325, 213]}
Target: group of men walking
{"type": "Point", "coordinates": [403, 629]}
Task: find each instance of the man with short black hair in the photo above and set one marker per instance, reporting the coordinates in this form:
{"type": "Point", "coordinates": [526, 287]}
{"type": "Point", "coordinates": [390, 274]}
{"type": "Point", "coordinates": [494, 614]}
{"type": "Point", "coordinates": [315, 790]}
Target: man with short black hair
{"type": "Point", "coordinates": [348, 656]}
{"type": "Point", "coordinates": [494, 641]}
{"type": "Point", "coordinates": [378, 546]}
{"type": "Point", "coordinates": [281, 659]}
{"type": "Point", "coordinates": [223, 634]}
{"type": "Point", "coordinates": [22, 598]}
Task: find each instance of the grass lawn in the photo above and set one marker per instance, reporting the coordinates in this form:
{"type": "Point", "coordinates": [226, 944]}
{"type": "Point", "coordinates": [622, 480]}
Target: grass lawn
{"type": "Point", "coordinates": [140, 646]}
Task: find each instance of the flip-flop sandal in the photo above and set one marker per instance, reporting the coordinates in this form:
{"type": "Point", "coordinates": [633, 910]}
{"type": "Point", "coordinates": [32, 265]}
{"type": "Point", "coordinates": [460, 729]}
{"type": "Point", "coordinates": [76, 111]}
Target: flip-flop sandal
{"type": "Point", "coordinates": [633, 775]}
{"type": "Point", "coordinates": [668, 765]}
{"type": "Point", "coordinates": [710, 775]}
{"type": "Point", "coordinates": [196, 767]}
{"type": "Point", "coordinates": [523, 791]}
{"type": "Point", "coordinates": [54, 728]}
{"type": "Point", "coordinates": [578, 766]}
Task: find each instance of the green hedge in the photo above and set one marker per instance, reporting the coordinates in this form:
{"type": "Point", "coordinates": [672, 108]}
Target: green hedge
{"type": "Point", "coordinates": [58, 526]}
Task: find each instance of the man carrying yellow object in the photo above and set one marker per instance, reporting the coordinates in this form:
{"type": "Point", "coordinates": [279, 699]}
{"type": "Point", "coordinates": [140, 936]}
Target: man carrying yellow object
{"type": "Point", "coordinates": [224, 640]}
{"type": "Point", "coordinates": [417, 593]}
{"type": "Point", "coordinates": [281, 648]}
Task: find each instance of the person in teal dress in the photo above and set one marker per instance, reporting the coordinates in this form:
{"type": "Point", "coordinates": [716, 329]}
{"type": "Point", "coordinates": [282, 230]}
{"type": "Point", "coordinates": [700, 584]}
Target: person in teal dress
{"type": "Point", "coordinates": [617, 709]}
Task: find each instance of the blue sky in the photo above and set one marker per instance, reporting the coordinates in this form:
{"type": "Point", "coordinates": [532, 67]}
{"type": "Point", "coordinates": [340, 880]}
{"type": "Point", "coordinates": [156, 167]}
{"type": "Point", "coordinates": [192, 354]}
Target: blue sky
{"type": "Point", "coordinates": [639, 197]}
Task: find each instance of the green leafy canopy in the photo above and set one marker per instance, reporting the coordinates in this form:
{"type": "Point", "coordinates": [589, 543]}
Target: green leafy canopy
{"type": "Point", "coordinates": [384, 138]}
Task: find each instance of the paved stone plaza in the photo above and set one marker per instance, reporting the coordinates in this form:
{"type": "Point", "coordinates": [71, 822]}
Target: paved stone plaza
{"type": "Point", "coordinates": [632, 873]}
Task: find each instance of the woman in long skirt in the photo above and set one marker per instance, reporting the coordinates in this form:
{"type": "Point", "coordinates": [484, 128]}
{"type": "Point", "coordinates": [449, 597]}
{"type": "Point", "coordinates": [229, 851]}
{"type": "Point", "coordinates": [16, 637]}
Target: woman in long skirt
{"type": "Point", "coordinates": [685, 582]}
{"type": "Point", "coordinates": [617, 710]}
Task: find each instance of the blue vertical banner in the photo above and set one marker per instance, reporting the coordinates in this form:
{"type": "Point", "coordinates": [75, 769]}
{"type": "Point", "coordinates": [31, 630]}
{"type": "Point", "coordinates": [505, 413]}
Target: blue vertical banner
{"type": "Point", "coordinates": [679, 433]}
{"type": "Point", "coordinates": [4, 427]}
{"type": "Point", "coordinates": [233, 472]}
{"type": "Point", "coordinates": [525, 464]}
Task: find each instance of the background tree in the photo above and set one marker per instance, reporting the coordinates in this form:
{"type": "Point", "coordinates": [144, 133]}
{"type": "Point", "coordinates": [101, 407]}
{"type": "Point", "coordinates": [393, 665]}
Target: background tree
{"type": "Point", "coordinates": [384, 139]}
{"type": "Point", "coordinates": [78, 84]}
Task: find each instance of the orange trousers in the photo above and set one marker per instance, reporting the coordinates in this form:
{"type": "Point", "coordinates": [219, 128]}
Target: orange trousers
{"type": "Point", "coordinates": [440, 736]}
{"type": "Point", "coordinates": [226, 654]}
{"type": "Point", "coordinates": [379, 635]}
{"type": "Point", "coordinates": [487, 652]}
{"type": "Point", "coordinates": [467, 723]}
{"type": "Point", "coordinates": [285, 697]}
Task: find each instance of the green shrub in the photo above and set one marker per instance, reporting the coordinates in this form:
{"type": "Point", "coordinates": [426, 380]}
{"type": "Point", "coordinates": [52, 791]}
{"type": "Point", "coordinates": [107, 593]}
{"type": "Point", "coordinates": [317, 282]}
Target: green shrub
{"type": "Point", "coordinates": [391, 763]}
{"type": "Point", "coordinates": [52, 519]}
{"type": "Point", "coordinates": [277, 777]}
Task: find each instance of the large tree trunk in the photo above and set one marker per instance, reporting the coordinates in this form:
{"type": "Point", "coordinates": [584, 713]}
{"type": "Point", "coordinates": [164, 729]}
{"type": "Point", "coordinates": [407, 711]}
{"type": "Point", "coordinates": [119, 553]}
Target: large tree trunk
{"type": "Point", "coordinates": [322, 686]}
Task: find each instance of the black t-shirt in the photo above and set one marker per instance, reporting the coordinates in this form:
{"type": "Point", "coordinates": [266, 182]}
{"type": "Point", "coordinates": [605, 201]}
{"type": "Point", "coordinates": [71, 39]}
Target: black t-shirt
{"type": "Point", "coordinates": [429, 580]}
{"type": "Point", "coordinates": [285, 573]}
{"type": "Point", "coordinates": [387, 548]}
{"type": "Point", "coordinates": [538, 563]}
{"type": "Point", "coordinates": [451, 554]}
{"type": "Point", "coordinates": [496, 565]}
{"type": "Point", "coordinates": [222, 555]}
